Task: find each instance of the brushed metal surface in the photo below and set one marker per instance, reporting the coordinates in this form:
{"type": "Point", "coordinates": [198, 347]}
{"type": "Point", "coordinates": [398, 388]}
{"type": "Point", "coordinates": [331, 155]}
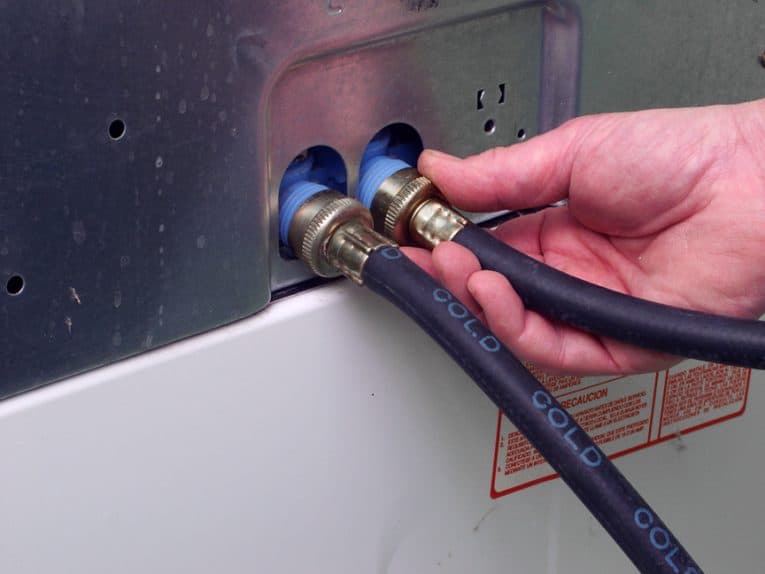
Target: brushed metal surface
{"type": "Point", "coordinates": [429, 78]}
{"type": "Point", "coordinates": [128, 241]}
{"type": "Point", "coordinates": [131, 243]}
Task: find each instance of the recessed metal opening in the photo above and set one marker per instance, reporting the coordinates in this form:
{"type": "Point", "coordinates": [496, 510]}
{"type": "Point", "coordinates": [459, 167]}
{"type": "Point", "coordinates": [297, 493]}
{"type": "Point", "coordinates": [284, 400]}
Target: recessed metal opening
{"type": "Point", "coordinates": [319, 165]}
{"type": "Point", "coordinates": [398, 141]}
{"type": "Point", "coordinates": [479, 99]}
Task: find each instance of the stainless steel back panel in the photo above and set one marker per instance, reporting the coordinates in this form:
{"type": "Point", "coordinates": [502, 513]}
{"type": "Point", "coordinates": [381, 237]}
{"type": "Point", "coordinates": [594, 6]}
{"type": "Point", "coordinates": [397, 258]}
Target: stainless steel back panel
{"type": "Point", "coordinates": [464, 85]}
{"type": "Point", "coordinates": [125, 244]}
{"type": "Point", "coordinates": [128, 241]}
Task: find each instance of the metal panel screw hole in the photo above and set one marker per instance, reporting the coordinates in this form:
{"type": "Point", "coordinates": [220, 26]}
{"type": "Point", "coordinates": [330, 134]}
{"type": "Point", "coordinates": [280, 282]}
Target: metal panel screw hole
{"type": "Point", "coordinates": [117, 129]}
{"type": "Point", "coordinates": [15, 285]}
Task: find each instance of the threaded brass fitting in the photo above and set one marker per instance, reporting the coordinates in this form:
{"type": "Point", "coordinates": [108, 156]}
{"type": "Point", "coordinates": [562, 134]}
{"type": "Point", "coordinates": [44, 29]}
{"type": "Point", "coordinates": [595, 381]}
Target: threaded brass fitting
{"type": "Point", "coordinates": [333, 235]}
{"type": "Point", "coordinates": [409, 209]}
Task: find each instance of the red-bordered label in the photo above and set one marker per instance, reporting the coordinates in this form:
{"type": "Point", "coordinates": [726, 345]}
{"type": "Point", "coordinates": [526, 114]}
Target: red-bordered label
{"type": "Point", "coordinates": [625, 414]}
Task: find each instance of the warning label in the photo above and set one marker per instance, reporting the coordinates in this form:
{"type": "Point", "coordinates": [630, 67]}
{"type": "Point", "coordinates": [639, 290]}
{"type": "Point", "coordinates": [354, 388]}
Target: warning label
{"type": "Point", "coordinates": [625, 414]}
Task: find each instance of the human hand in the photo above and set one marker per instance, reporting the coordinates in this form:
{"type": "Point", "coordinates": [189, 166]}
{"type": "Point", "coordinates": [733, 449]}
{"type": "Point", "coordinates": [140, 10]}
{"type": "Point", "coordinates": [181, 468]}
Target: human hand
{"type": "Point", "coordinates": [666, 205]}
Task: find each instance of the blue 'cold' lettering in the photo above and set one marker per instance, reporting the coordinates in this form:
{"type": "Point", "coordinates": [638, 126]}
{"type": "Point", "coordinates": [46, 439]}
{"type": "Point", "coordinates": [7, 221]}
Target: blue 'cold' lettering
{"type": "Point", "coordinates": [468, 326]}
{"type": "Point", "coordinates": [560, 420]}
{"type": "Point", "coordinates": [659, 538]}
{"type": "Point", "coordinates": [643, 518]}
{"type": "Point", "coordinates": [391, 253]}
{"type": "Point", "coordinates": [541, 400]}
{"type": "Point", "coordinates": [671, 561]}
{"type": "Point", "coordinates": [591, 456]}
{"type": "Point", "coordinates": [442, 296]}
{"type": "Point", "coordinates": [458, 311]}
{"type": "Point", "coordinates": [570, 433]}
{"type": "Point", "coordinates": [488, 343]}
{"type": "Point", "coordinates": [655, 533]}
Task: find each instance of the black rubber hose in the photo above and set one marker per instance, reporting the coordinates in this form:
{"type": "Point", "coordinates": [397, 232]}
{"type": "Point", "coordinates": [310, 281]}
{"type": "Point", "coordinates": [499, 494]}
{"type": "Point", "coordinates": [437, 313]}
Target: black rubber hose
{"type": "Point", "coordinates": [601, 311]}
{"type": "Point", "coordinates": [562, 442]}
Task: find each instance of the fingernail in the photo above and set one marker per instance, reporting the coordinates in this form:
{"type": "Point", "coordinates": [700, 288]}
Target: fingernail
{"type": "Point", "coordinates": [471, 287]}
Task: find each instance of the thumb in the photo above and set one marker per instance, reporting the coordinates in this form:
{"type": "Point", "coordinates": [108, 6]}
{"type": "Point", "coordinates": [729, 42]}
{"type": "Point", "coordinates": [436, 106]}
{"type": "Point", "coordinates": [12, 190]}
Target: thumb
{"type": "Point", "coordinates": [531, 174]}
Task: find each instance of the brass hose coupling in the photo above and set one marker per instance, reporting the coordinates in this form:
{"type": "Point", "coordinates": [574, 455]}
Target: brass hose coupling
{"type": "Point", "coordinates": [409, 209]}
{"type": "Point", "coordinates": [333, 234]}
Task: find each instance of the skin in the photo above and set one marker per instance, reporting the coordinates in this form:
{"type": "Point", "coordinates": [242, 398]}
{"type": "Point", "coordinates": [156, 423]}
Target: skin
{"type": "Point", "coordinates": [666, 205]}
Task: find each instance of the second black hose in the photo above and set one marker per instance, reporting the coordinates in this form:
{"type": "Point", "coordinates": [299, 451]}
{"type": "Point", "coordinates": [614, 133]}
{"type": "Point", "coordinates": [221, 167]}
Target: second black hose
{"type": "Point", "coordinates": [608, 313]}
{"type": "Point", "coordinates": [533, 410]}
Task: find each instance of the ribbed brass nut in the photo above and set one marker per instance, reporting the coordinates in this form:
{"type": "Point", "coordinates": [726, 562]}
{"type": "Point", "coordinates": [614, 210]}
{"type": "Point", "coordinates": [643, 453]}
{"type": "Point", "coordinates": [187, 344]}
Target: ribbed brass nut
{"type": "Point", "coordinates": [410, 209]}
{"type": "Point", "coordinates": [333, 235]}
{"type": "Point", "coordinates": [396, 201]}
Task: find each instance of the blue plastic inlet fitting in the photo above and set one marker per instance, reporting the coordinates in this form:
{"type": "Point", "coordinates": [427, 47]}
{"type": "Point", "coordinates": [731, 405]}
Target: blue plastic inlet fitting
{"type": "Point", "coordinates": [294, 191]}
{"type": "Point", "coordinates": [377, 147]}
{"type": "Point", "coordinates": [299, 170]}
{"type": "Point", "coordinates": [380, 161]}
{"type": "Point", "coordinates": [290, 200]}
{"type": "Point", "coordinates": [319, 169]}
{"type": "Point", "coordinates": [374, 173]}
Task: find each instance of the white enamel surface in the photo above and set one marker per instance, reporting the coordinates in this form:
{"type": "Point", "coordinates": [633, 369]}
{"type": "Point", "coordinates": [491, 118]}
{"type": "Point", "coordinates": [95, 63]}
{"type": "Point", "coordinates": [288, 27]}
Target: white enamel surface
{"type": "Point", "coordinates": [327, 434]}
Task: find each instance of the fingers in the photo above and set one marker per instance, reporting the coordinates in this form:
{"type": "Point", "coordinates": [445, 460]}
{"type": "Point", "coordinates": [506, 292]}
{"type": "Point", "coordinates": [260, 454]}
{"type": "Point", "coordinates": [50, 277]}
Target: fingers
{"type": "Point", "coordinates": [550, 346]}
{"type": "Point", "coordinates": [530, 174]}
{"type": "Point", "coordinates": [454, 265]}
{"type": "Point", "coordinates": [553, 347]}
{"type": "Point", "coordinates": [528, 334]}
{"type": "Point", "coordinates": [422, 258]}
{"type": "Point", "coordinates": [451, 265]}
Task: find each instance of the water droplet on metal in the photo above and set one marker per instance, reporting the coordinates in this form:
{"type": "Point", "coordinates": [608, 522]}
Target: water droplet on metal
{"type": "Point", "coordinates": [78, 232]}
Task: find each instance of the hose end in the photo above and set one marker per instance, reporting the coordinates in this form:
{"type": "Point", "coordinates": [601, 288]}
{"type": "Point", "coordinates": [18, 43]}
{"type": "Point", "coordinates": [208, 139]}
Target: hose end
{"type": "Point", "coordinates": [409, 209]}
{"type": "Point", "coordinates": [333, 235]}
{"type": "Point", "coordinates": [435, 222]}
